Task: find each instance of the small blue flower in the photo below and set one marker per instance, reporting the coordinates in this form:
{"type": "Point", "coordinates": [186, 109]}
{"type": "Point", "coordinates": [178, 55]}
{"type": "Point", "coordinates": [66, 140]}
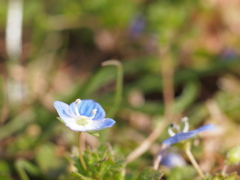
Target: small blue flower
{"type": "Point", "coordinates": [137, 26]}
{"type": "Point", "coordinates": [172, 159]}
{"type": "Point", "coordinates": [186, 135]}
{"type": "Point", "coordinates": [83, 115]}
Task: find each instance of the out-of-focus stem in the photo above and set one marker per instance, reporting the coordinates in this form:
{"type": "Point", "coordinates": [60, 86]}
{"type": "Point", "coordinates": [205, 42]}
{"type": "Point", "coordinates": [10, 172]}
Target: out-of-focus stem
{"type": "Point", "coordinates": [192, 159]}
{"type": "Point", "coordinates": [144, 146]}
{"type": "Point", "coordinates": [5, 109]}
{"type": "Point", "coordinates": [159, 157]}
{"type": "Point", "coordinates": [168, 87]}
{"type": "Point", "coordinates": [14, 29]}
{"type": "Point", "coordinates": [225, 167]}
{"type": "Point", "coordinates": [157, 161]}
{"type": "Point", "coordinates": [80, 152]}
{"type": "Point", "coordinates": [14, 23]}
{"type": "Point", "coordinates": [119, 84]}
{"type": "Point", "coordinates": [168, 96]}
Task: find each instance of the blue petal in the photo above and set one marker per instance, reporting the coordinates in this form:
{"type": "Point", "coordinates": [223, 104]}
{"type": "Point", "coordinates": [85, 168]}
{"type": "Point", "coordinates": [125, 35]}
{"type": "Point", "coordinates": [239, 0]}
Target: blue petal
{"type": "Point", "coordinates": [179, 137]}
{"type": "Point", "coordinates": [63, 110]}
{"type": "Point", "coordinates": [171, 160]}
{"type": "Point", "coordinates": [92, 126]}
{"type": "Point", "coordinates": [72, 107]}
{"type": "Point", "coordinates": [102, 124]}
{"type": "Point", "coordinates": [205, 128]}
{"type": "Point", "coordinates": [86, 106]}
{"type": "Point", "coordinates": [182, 136]}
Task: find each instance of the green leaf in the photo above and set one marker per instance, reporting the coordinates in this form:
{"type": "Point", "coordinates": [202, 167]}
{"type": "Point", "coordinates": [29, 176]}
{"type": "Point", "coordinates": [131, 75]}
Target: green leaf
{"type": "Point", "coordinates": [60, 119]}
{"type": "Point", "coordinates": [79, 176]}
{"type": "Point", "coordinates": [150, 174]}
{"type": "Point", "coordinates": [93, 133]}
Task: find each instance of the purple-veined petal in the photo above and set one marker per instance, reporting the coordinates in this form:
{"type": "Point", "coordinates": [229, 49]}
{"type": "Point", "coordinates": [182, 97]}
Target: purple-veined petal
{"type": "Point", "coordinates": [86, 106]}
{"type": "Point", "coordinates": [72, 108]}
{"type": "Point", "coordinates": [63, 111]}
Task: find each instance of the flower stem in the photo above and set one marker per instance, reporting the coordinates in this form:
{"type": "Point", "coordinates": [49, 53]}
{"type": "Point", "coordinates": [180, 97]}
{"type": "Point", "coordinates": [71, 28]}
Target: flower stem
{"type": "Point", "coordinates": [144, 146]}
{"type": "Point", "coordinates": [192, 159]}
{"type": "Point", "coordinates": [80, 152]}
{"type": "Point", "coordinates": [158, 158]}
{"type": "Point", "coordinates": [224, 169]}
{"type": "Point", "coordinates": [118, 91]}
{"type": "Point", "coordinates": [156, 162]}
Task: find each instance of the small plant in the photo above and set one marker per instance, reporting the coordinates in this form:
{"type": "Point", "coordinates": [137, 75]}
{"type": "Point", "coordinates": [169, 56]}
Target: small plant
{"type": "Point", "coordinates": [180, 136]}
{"type": "Point", "coordinates": [81, 116]}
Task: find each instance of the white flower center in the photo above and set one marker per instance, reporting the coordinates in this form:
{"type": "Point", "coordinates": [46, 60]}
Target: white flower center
{"type": "Point", "coordinates": [177, 127]}
{"type": "Point", "coordinates": [186, 124]}
{"type": "Point", "coordinates": [80, 119]}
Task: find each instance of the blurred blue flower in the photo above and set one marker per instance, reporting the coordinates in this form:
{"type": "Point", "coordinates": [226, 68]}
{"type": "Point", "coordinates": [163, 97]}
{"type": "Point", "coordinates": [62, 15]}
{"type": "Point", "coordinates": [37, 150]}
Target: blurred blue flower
{"type": "Point", "coordinates": [186, 135]}
{"type": "Point", "coordinates": [83, 115]}
{"type": "Point", "coordinates": [228, 55]}
{"type": "Point", "coordinates": [137, 26]}
{"type": "Point", "coordinates": [171, 160]}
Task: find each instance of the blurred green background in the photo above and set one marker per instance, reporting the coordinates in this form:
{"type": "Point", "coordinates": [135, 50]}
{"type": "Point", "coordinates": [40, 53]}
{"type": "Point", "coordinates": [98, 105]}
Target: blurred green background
{"type": "Point", "coordinates": [189, 46]}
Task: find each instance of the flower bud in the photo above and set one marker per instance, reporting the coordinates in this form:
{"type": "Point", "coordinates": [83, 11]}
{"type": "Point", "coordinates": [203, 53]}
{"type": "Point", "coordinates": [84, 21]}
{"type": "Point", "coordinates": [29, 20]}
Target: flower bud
{"type": "Point", "coordinates": [233, 156]}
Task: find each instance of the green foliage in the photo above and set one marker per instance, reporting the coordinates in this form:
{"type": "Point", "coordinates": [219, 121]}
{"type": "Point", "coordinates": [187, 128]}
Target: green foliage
{"type": "Point", "coordinates": [150, 174]}
{"type": "Point", "coordinates": [4, 171]}
{"type": "Point", "coordinates": [47, 159]}
{"type": "Point", "coordinates": [181, 173]}
{"type": "Point", "coordinates": [12, 127]}
{"type": "Point", "coordinates": [101, 164]}
{"type": "Point", "coordinates": [23, 166]}
{"type": "Point", "coordinates": [232, 176]}
{"type": "Point", "coordinates": [120, 13]}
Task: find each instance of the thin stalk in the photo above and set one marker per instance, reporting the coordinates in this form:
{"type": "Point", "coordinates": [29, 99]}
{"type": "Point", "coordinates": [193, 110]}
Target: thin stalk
{"type": "Point", "coordinates": [192, 159]}
{"type": "Point", "coordinates": [159, 157]}
{"type": "Point", "coordinates": [168, 84]}
{"type": "Point", "coordinates": [224, 169]}
{"type": "Point", "coordinates": [144, 146]}
{"type": "Point", "coordinates": [80, 152]}
{"type": "Point", "coordinates": [14, 23]}
{"type": "Point", "coordinates": [168, 94]}
{"type": "Point", "coordinates": [119, 85]}
{"type": "Point", "coordinates": [4, 94]}
{"type": "Point", "coordinates": [156, 162]}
